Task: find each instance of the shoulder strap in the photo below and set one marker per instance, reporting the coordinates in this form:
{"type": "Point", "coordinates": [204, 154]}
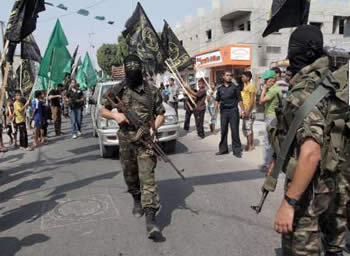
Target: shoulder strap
{"type": "Point", "coordinates": [320, 93]}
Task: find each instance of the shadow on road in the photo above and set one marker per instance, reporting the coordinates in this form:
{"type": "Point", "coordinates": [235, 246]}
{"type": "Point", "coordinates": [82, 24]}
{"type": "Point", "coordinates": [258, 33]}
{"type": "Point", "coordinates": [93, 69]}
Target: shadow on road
{"type": "Point", "coordinates": [82, 183]}
{"type": "Point", "coordinates": [23, 187]}
{"type": "Point", "coordinates": [27, 213]}
{"type": "Point", "coordinates": [11, 245]}
{"type": "Point", "coordinates": [83, 150]}
{"type": "Point", "coordinates": [174, 192]}
{"type": "Point", "coordinates": [278, 252]}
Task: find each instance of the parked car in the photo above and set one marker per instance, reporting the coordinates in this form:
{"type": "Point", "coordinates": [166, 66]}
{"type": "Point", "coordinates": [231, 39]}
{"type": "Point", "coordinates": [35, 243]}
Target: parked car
{"type": "Point", "coordinates": [106, 130]}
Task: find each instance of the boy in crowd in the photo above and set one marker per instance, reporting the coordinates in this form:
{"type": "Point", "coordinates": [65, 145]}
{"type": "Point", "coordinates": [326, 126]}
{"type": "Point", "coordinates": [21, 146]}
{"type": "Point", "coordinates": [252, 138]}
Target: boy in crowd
{"type": "Point", "coordinates": [270, 97]}
{"type": "Point", "coordinates": [211, 95]}
{"type": "Point", "coordinates": [2, 125]}
{"type": "Point", "coordinates": [9, 121]}
{"type": "Point", "coordinates": [248, 97]}
{"type": "Point", "coordinates": [38, 118]}
{"type": "Point", "coordinates": [20, 120]}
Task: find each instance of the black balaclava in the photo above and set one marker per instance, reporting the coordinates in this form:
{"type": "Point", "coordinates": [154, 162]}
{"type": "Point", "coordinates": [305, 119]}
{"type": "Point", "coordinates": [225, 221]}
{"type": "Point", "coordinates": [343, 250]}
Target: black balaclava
{"type": "Point", "coordinates": [133, 70]}
{"type": "Point", "coordinates": [305, 46]}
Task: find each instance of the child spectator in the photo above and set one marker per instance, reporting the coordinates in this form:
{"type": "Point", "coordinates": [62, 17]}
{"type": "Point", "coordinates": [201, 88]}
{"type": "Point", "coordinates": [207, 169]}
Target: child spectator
{"type": "Point", "coordinates": [38, 118]}
{"type": "Point", "coordinates": [2, 147]}
{"type": "Point", "coordinates": [20, 120]}
{"type": "Point", "coordinates": [9, 121]}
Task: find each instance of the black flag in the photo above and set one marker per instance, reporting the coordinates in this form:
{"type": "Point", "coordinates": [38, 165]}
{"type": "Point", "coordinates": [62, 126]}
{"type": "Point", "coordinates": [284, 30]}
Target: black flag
{"type": "Point", "coordinates": [28, 76]}
{"type": "Point", "coordinates": [286, 14]}
{"type": "Point", "coordinates": [23, 19]}
{"type": "Point", "coordinates": [144, 42]}
{"type": "Point", "coordinates": [30, 50]}
{"type": "Point", "coordinates": [178, 54]}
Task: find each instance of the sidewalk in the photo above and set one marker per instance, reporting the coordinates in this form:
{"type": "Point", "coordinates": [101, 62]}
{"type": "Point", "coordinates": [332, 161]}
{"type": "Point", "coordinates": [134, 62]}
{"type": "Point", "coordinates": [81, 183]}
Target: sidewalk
{"type": "Point", "coordinates": [212, 140]}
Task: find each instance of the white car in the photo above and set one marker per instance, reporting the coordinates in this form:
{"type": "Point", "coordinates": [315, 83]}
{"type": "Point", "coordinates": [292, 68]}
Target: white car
{"type": "Point", "coordinates": [106, 130]}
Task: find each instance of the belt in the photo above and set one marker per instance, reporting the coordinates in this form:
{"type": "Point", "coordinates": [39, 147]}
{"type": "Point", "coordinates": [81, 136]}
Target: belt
{"type": "Point", "coordinates": [228, 107]}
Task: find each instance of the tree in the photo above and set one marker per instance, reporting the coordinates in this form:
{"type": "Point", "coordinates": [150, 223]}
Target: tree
{"type": "Point", "coordinates": [107, 56]}
{"type": "Point", "coordinates": [123, 48]}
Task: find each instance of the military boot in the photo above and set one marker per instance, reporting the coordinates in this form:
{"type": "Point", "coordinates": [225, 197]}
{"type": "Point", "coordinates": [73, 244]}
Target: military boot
{"type": "Point", "coordinates": [151, 226]}
{"type": "Point", "coordinates": [137, 211]}
{"type": "Point", "coordinates": [334, 254]}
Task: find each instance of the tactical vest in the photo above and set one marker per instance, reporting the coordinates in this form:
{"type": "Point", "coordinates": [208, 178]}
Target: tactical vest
{"type": "Point", "coordinates": [336, 135]}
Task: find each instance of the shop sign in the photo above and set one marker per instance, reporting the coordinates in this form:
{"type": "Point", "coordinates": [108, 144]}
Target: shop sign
{"type": "Point", "coordinates": [240, 53]}
{"type": "Point", "coordinates": [209, 58]}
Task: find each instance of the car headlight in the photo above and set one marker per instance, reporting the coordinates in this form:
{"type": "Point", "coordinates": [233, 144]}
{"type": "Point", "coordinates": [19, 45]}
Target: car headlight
{"type": "Point", "coordinates": [170, 120]}
{"type": "Point", "coordinates": [111, 124]}
{"type": "Point", "coordinates": [102, 123]}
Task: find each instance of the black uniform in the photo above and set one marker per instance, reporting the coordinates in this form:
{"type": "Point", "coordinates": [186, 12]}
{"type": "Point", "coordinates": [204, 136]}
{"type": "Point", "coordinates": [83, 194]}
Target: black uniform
{"type": "Point", "coordinates": [229, 97]}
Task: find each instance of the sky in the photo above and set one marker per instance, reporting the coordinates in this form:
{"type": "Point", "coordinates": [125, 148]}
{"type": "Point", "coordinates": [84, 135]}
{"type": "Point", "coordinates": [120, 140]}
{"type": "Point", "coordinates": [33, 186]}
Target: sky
{"type": "Point", "coordinates": [91, 34]}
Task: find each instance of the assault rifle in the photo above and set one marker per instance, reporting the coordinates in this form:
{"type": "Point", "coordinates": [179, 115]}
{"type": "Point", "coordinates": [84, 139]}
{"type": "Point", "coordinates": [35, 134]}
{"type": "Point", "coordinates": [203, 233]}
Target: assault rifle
{"type": "Point", "coordinates": [142, 130]}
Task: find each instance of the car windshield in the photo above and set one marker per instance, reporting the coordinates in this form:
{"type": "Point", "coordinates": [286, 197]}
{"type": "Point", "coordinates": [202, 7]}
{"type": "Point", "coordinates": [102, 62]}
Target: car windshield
{"type": "Point", "coordinates": [104, 90]}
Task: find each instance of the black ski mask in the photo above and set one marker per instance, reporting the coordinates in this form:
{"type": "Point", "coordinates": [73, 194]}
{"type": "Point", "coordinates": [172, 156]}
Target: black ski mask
{"type": "Point", "coordinates": [305, 47]}
{"type": "Point", "coordinates": [133, 70]}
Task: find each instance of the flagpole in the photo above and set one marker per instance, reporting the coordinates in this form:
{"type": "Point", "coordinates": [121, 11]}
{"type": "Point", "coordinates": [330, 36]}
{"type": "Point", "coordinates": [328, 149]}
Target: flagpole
{"type": "Point", "coordinates": [21, 75]}
{"type": "Point", "coordinates": [4, 84]}
{"type": "Point", "coordinates": [179, 81]}
{"type": "Point", "coordinates": [180, 77]}
{"type": "Point", "coordinates": [4, 51]}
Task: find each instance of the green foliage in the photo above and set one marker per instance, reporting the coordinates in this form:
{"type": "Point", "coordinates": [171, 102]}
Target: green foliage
{"type": "Point", "coordinates": [107, 56]}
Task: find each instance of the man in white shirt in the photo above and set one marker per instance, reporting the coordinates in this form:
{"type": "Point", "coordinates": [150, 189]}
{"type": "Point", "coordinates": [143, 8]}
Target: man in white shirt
{"type": "Point", "coordinates": [173, 96]}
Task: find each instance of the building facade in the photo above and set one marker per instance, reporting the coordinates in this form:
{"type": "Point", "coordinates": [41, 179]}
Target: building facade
{"type": "Point", "coordinates": [229, 35]}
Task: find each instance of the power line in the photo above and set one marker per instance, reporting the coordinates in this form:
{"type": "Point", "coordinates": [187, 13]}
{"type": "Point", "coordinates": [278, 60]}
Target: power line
{"type": "Point", "coordinates": [72, 13]}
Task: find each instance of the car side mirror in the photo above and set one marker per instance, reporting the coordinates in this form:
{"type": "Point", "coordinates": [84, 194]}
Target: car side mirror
{"type": "Point", "coordinates": [92, 101]}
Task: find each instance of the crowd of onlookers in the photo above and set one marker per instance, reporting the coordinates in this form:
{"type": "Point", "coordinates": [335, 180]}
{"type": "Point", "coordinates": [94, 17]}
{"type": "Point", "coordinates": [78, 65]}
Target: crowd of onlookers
{"type": "Point", "coordinates": [33, 114]}
{"type": "Point", "coordinates": [235, 99]}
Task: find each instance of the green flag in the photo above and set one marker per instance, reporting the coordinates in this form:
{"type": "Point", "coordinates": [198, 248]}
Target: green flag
{"type": "Point", "coordinates": [42, 84]}
{"type": "Point", "coordinates": [89, 71]}
{"type": "Point", "coordinates": [56, 57]}
{"type": "Point", "coordinates": [81, 78]}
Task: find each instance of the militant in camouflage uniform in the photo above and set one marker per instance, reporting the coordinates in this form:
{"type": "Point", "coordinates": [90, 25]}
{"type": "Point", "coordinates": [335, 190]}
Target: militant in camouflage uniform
{"type": "Point", "coordinates": [311, 183]}
{"type": "Point", "coordinates": [338, 220]}
{"type": "Point", "coordinates": [138, 162]}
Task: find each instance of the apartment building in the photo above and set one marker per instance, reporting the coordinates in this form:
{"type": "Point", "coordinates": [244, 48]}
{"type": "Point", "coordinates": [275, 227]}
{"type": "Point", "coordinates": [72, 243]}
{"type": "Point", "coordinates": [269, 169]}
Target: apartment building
{"type": "Point", "coordinates": [229, 34]}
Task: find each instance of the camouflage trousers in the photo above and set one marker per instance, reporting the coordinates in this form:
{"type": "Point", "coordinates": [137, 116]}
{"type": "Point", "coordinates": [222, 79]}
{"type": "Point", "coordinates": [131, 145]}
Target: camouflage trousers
{"type": "Point", "coordinates": [338, 220]}
{"type": "Point", "coordinates": [138, 167]}
{"type": "Point", "coordinates": [310, 218]}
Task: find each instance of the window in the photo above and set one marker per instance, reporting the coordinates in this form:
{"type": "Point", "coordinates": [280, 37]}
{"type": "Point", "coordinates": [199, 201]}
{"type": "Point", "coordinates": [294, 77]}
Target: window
{"type": "Point", "coordinates": [181, 42]}
{"type": "Point", "coordinates": [248, 25]}
{"type": "Point", "coordinates": [341, 26]}
{"type": "Point", "coordinates": [317, 24]}
{"type": "Point", "coordinates": [273, 49]}
{"type": "Point", "coordinates": [241, 27]}
{"type": "Point", "coordinates": [196, 36]}
{"type": "Point", "coordinates": [209, 34]}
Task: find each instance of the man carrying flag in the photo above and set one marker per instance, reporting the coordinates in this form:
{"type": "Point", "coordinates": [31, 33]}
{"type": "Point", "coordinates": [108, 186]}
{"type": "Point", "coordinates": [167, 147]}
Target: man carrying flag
{"type": "Point", "coordinates": [21, 24]}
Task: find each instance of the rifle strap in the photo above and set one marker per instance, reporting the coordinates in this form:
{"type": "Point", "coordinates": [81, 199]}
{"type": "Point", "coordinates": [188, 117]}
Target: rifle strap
{"type": "Point", "coordinates": [320, 93]}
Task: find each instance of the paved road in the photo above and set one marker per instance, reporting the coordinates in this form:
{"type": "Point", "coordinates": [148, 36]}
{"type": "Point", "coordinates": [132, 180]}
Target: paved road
{"type": "Point", "coordinates": [64, 200]}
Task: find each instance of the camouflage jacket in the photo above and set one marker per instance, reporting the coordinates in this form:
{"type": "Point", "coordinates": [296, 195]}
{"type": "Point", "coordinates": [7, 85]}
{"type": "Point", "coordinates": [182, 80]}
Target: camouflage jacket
{"type": "Point", "coordinates": [145, 100]}
{"type": "Point", "coordinates": [314, 125]}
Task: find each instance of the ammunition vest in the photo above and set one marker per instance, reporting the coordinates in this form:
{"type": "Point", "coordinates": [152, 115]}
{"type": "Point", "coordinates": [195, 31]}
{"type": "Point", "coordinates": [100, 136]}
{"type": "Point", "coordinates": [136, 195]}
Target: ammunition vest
{"type": "Point", "coordinates": [336, 134]}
